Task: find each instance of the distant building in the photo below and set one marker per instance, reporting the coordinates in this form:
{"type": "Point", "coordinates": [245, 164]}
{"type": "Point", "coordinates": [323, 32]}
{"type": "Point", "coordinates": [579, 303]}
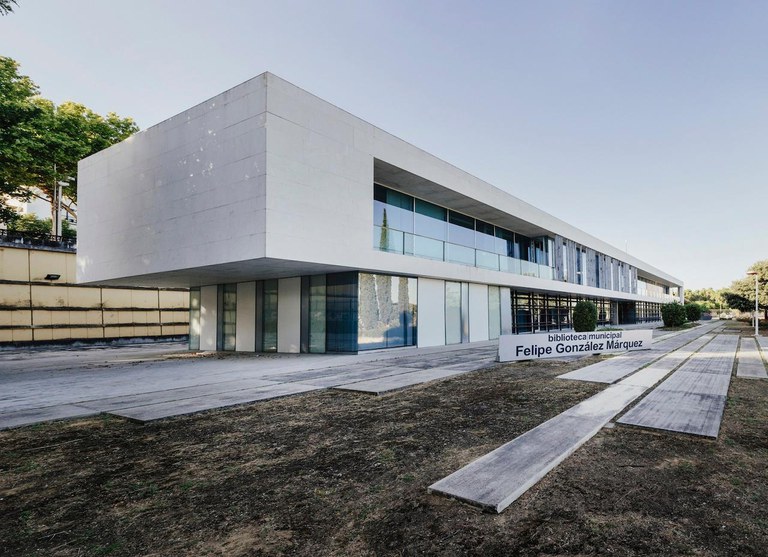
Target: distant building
{"type": "Point", "coordinates": [300, 227]}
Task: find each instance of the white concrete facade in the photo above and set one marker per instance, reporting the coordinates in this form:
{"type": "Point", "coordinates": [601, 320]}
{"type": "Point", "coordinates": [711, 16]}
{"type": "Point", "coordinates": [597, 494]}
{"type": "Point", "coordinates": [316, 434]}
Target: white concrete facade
{"type": "Point", "coordinates": [267, 181]}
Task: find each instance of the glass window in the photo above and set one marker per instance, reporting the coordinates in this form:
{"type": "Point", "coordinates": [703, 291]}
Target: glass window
{"type": "Point", "coordinates": [565, 261]}
{"type": "Point", "coordinates": [387, 311]}
{"type": "Point", "coordinates": [452, 312]}
{"type": "Point", "coordinates": [430, 220]}
{"type": "Point", "coordinates": [505, 243]}
{"type": "Point", "coordinates": [461, 229]}
{"type": "Point", "coordinates": [392, 197]}
{"type": "Point", "coordinates": [194, 319]}
{"type": "Point", "coordinates": [388, 239]}
{"type": "Point", "coordinates": [459, 254]}
{"type": "Point", "coordinates": [428, 248]}
{"type": "Point", "coordinates": [597, 271]}
{"type": "Point", "coordinates": [487, 260]}
{"type": "Point", "coordinates": [269, 316]}
{"type": "Point", "coordinates": [522, 247]}
{"type": "Point", "coordinates": [317, 314]}
{"type": "Point", "coordinates": [341, 312]}
{"type": "Point", "coordinates": [227, 317]}
{"type": "Point", "coordinates": [485, 236]}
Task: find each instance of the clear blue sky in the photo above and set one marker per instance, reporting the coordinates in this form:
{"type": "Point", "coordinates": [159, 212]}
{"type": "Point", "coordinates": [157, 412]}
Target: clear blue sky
{"type": "Point", "coordinates": [644, 123]}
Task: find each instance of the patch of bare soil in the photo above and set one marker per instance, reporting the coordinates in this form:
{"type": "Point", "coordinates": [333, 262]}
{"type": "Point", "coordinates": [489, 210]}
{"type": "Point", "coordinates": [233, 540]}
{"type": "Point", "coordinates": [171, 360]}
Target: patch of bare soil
{"type": "Point", "coordinates": [335, 473]}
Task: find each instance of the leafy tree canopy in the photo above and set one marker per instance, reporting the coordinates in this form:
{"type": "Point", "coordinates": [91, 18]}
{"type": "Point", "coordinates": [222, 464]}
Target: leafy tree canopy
{"type": "Point", "coordinates": [33, 227]}
{"type": "Point", "coordinates": [6, 6]}
{"type": "Point", "coordinates": [741, 294]}
{"type": "Point", "coordinates": [708, 297]}
{"type": "Point", "coordinates": [41, 142]}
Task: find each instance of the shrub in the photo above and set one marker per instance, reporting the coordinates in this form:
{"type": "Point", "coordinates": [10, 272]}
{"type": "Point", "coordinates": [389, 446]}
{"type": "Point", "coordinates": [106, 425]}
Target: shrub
{"type": "Point", "coordinates": [584, 317]}
{"type": "Point", "coordinates": [693, 311]}
{"type": "Point", "coordinates": [673, 314]}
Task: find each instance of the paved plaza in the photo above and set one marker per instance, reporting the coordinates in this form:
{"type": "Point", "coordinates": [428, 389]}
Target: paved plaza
{"type": "Point", "coordinates": [149, 382]}
{"type": "Point", "coordinates": [682, 384]}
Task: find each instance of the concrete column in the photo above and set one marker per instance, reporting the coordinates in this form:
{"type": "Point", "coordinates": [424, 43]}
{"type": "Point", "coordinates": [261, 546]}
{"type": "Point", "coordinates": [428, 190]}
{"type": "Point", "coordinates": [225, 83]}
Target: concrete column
{"type": "Point", "coordinates": [478, 312]}
{"type": "Point", "coordinates": [245, 340]}
{"type": "Point", "coordinates": [505, 294]}
{"type": "Point", "coordinates": [208, 317]}
{"type": "Point", "coordinates": [289, 315]}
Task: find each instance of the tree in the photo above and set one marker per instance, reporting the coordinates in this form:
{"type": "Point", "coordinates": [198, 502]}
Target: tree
{"type": "Point", "coordinates": [32, 227]}
{"type": "Point", "coordinates": [693, 311]}
{"type": "Point", "coordinates": [17, 116]}
{"type": "Point", "coordinates": [673, 314]}
{"type": "Point", "coordinates": [708, 297]}
{"type": "Point", "coordinates": [584, 316]}
{"type": "Point", "coordinates": [41, 143]}
{"type": "Point", "coordinates": [6, 6]}
{"type": "Point", "coordinates": [741, 294]}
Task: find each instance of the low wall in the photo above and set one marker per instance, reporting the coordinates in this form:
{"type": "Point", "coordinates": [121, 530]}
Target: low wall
{"type": "Point", "coordinates": [33, 309]}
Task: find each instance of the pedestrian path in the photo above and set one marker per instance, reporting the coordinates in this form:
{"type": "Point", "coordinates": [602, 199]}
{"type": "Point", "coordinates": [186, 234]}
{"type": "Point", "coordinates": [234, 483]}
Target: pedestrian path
{"type": "Point", "coordinates": [750, 361]}
{"type": "Point", "coordinates": [497, 479]}
{"type": "Point", "coordinates": [692, 399]}
{"type": "Point", "coordinates": [763, 343]}
{"type": "Point", "coordinates": [150, 390]}
{"type": "Point", "coordinates": [613, 369]}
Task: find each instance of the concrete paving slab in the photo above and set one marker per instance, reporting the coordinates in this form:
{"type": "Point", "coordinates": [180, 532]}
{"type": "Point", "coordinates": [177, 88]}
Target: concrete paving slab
{"type": "Point", "coordinates": [750, 362]}
{"type": "Point", "coordinates": [20, 418]}
{"type": "Point", "coordinates": [155, 397]}
{"type": "Point", "coordinates": [495, 480]}
{"type": "Point", "coordinates": [693, 413]}
{"type": "Point", "coordinates": [188, 406]}
{"type": "Point", "coordinates": [613, 369]}
{"type": "Point", "coordinates": [396, 382]}
{"type": "Point", "coordinates": [652, 374]}
{"type": "Point", "coordinates": [692, 399]}
{"type": "Point", "coordinates": [498, 478]}
{"type": "Point", "coordinates": [699, 383]}
{"type": "Point", "coordinates": [353, 377]}
{"type": "Point", "coordinates": [325, 372]}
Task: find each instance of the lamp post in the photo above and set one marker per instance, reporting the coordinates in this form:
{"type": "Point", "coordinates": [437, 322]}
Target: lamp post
{"type": "Point", "coordinates": [755, 273]}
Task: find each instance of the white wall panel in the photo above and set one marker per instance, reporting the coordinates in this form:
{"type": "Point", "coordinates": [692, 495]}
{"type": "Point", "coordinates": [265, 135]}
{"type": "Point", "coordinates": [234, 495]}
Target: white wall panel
{"type": "Point", "coordinates": [208, 317]}
{"type": "Point", "coordinates": [431, 317]}
{"type": "Point", "coordinates": [478, 312]}
{"type": "Point", "coordinates": [289, 315]}
{"type": "Point", "coordinates": [505, 295]}
{"type": "Point", "coordinates": [245, 340]}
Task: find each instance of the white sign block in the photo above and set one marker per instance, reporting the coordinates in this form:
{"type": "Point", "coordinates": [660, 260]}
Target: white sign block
{"type": "Point", "coordinates": [557, 344]}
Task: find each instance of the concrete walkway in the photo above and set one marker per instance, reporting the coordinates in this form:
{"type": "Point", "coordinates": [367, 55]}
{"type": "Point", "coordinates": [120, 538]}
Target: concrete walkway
{"type": "Point", "coordinates": [692, 399]}
{"type": "Point", "coordinates": [611, 370]}
{"type": "Point", "coordinates": [497, 479]}
{"type": "Point", "coordinates": [750, 361]}
{"type": "Point", "coordinates": [141, 383]}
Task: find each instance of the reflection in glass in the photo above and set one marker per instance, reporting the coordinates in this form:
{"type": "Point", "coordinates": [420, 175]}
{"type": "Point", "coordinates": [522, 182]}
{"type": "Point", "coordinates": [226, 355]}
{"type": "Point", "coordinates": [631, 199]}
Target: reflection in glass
{"type": "Point", "coordinates": [228, 316]}
{"type": "Point", "coordinates": [387, 311]}
{"type": "Point", "coordinates": [392, 217]}
{"type": "Point", "coordinates": [269, 316]}
{"type": "Point", "coordinates": [194, 319]}
{"type": "Point", "coordinates": [386, 239]}
{"type": "Point", "coordinates": [317, 314]}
